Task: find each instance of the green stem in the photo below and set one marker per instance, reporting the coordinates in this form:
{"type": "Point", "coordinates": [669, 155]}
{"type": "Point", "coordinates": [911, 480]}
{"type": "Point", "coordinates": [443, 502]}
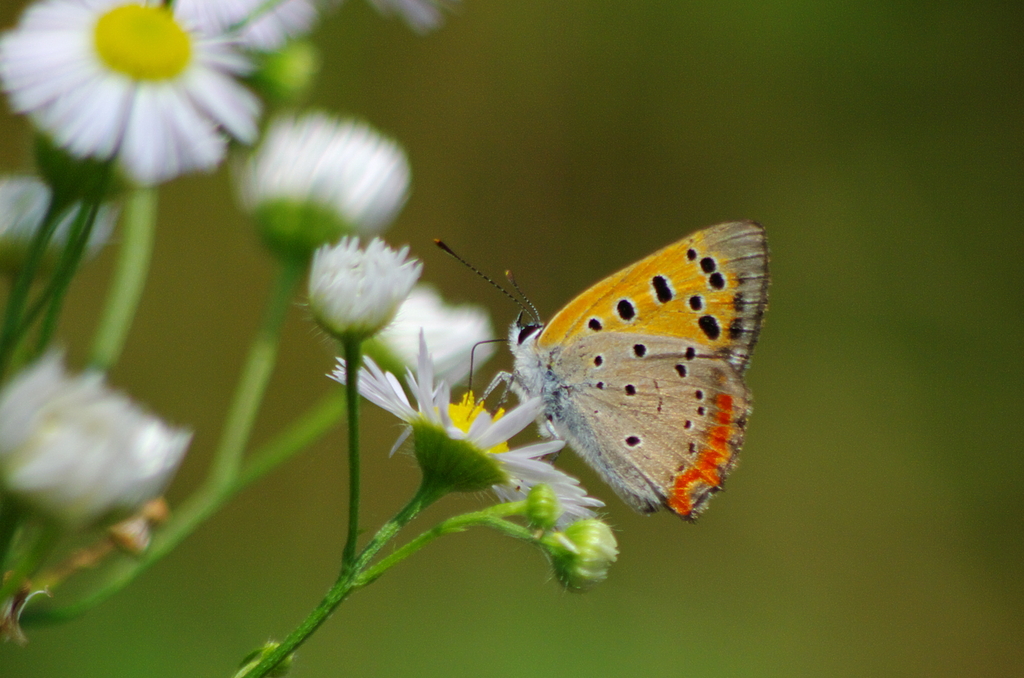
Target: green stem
{"type": "Point", "coordinates": [11, 518]}
{"type": "Point", "coordinates": [492, 516]}
{"type": "Point", "coordinates": [201, 505]}
{"type": "Point", "coordinates": [44, 543]}
{"type": "Point", "coordinates": [345, 584]}
{"type": "Point", "coordinates": [12, 329]}
{"type": "Point", "coordinates": [252, 383]}
{"type": "Point", "coordinates": [67, 266]}
{"type": "Point", "coordinates": [353, 356]}
{"type": "Point", "coordinates": [126, 288]}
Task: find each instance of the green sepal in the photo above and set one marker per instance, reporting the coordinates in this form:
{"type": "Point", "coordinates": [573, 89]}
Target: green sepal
{"type": "Point", "coordinates": [71, 178]}
{"type": "Point", "coordinates": [453, 465]}
{"type": "Point", "coordinates": [293, 229]}
{"type": "Point", "coordinates": [256, 656]}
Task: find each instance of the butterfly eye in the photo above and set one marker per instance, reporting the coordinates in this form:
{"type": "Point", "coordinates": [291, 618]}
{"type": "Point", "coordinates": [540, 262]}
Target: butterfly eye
{"type": "Point", "coordinates": [526, 332]}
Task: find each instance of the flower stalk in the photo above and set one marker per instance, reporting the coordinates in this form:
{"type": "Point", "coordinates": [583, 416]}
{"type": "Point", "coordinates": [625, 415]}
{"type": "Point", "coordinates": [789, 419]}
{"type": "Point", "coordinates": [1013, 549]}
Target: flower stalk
{"type": "Point", "coordinates": [41, 547]}
{"type": "Point", "coordinates": [12, 330]}
{"type": "Point", "coordinates": [353, 356]}
{"type": "Point", "coordinates": [252, 383]}
{"type": "Point", "coordinates": [345, 584]}
{"type": "Point", "coordinates": [136, 250]}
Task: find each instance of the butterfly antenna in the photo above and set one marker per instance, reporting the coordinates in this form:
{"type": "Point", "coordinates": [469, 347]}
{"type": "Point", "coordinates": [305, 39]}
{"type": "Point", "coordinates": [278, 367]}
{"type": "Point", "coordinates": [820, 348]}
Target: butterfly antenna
{"type": "Point", "coordinates": [533, 309]}
{"type": "Point", "coordinates": [480, 273]}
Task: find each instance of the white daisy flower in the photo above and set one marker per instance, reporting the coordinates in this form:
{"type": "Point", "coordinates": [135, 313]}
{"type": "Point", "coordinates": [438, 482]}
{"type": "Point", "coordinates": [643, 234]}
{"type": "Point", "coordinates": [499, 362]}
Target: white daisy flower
{"type": "Point", "coordinates": [131, 79]}
{"type": "Point", "coordinates": [77, 450]}
{"type": "Point", "coordinates": [24, 201]}
{"type": "Point", "coordinates": [355, 291]}
{"type": "Point", "coordinates": [343, 166]}
{"type": "Point", "coordinates": [421, 15]}
{"type": "Point", "coordinates": [521, 468]}
{"type": "Point", "coordinates": [451, 331]}
{"type": "Point", "coordinates": [261, 25]}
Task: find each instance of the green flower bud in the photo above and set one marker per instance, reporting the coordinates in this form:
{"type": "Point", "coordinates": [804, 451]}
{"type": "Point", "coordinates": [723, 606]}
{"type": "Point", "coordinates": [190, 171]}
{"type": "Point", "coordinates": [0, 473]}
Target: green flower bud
{"type": "Point", "coordinates": [582, 554]}
{"type": "Point", "coordinates": [285, 76]}
{"type": "Point", "coordinates": [542, 507]}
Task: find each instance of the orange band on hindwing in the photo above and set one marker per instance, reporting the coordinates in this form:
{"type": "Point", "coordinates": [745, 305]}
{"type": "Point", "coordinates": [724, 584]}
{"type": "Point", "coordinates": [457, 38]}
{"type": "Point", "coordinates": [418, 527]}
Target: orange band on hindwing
{"type": "Point", "coordinates": [692, 486]}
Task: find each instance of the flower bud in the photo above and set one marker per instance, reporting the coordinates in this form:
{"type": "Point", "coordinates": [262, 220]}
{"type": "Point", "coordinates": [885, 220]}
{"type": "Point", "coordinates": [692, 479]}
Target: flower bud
{"type": "Point", "coordinates": [316, 178]}
{"type": "Point", "coordinates": [75, 450]}
{"type": "Point", "coordinates": [287, 75]}
{"type": "Point", "coordinates": [542, 507]}
{"type": "Point", "coordinates": [582, 554]}
{"type": "Point", "coordinates": [354, 292]}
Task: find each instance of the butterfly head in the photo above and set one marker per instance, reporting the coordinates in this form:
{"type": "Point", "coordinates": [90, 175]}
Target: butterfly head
{"type": "Point", "coordinates": [524, 330]}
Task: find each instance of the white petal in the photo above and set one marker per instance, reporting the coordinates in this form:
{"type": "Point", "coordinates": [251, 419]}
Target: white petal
{"type": "Point", "coordinates": [512, 423]}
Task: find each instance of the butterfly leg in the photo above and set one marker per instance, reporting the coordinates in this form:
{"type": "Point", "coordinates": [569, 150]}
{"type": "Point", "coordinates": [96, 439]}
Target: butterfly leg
{"type": "Point", "coordinates": [500, 379]}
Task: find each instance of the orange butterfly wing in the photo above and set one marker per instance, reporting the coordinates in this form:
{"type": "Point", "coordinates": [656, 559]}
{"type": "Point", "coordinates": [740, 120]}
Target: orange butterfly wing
{"type": "Point", "coordinates": [710, 288]}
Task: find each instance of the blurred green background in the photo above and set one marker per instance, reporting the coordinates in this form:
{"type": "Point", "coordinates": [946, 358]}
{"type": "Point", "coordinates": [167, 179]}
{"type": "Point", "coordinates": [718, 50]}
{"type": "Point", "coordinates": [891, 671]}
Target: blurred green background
{"type": "Point", "coordinates": [876, 524]}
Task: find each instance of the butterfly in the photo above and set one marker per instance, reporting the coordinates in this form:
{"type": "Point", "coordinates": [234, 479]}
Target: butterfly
{"type": "Point", "coordinates": [642, 374]}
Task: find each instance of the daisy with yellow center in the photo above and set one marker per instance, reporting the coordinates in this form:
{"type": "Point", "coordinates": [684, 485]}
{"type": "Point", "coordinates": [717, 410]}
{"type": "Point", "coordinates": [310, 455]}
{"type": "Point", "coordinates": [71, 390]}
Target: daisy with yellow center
{"type": "Point", "coordinates": [466, 411]}
{"type": "Point", "coordinates": [133, 80]}
{"type": "Point", "coordinates": [465, 443]}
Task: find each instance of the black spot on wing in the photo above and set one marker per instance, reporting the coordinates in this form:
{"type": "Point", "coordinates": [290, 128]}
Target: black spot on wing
{"type": "Point", "coordinates": [662, 290]}
{"type": "Point", "coordinates": [626, 309]}
{"type": "Point", "coordinates": [709, 325]}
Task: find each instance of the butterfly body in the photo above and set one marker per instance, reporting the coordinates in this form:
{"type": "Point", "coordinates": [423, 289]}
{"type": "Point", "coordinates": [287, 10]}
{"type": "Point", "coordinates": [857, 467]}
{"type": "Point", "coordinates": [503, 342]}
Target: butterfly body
{"type": "Point", "coordinates": [642, 374]}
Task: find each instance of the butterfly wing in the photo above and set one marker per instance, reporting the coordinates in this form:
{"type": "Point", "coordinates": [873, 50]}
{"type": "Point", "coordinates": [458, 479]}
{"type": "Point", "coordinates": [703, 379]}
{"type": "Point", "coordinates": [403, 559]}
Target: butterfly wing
{"type": "Point", "coordinates": [659, 422]}
{"type": "Point", "coordinates": [710, 288]}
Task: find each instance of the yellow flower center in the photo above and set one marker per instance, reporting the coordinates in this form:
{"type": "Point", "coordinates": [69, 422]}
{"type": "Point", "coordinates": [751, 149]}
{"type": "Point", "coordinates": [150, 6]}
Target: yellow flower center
{"type": "Point", "coordinates": [145, 43]}
{"type": "Point", "coordinates": [466, 410]}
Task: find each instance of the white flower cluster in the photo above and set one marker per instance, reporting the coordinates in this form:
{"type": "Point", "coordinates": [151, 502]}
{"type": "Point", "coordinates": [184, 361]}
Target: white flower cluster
{"type": "Point", "coordinates": [355, 291]}
{"type": "Point", "coordinates": [76, 450]}
{"type": "Point", "coordinates": [342, 165]}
